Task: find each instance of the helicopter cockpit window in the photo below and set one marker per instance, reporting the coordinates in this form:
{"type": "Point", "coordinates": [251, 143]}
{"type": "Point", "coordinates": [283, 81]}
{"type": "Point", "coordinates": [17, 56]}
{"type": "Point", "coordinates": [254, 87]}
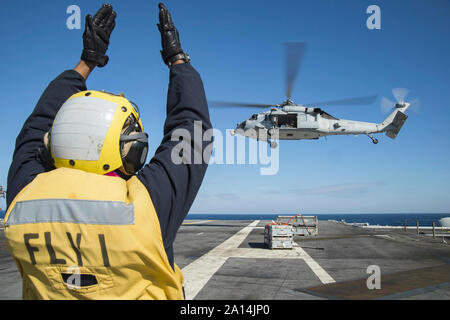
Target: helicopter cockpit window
{"type": "Point", "coordinates": [254, 117]}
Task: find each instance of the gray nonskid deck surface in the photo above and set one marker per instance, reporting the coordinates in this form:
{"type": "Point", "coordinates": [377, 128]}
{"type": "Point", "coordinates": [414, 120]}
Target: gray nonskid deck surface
{"type": "Point", "coordinates": [227, 260]}
{"type": "Point", "coordinates": [343, 252]}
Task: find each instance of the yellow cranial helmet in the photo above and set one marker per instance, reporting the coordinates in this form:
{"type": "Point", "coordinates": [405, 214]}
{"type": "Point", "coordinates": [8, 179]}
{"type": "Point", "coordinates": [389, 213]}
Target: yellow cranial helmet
{"type": "Point", "coordinates": [98, 132]}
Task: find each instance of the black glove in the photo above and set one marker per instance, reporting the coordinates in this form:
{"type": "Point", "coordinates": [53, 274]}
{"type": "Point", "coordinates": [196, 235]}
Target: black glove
{"type": "Point", "coordinates": [170, 39]}
{"type": "Point", "coordinates": [96, 35]}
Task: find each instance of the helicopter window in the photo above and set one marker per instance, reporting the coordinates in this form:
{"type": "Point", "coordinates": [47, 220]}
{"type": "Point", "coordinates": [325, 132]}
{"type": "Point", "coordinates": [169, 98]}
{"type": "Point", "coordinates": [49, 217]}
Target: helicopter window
{"type": "Point", "coordinates": [254, 117]}
{"type": "Point", "coordinates": [286, 120]}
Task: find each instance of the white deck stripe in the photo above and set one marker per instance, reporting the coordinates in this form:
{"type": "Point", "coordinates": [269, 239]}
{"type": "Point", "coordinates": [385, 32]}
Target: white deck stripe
{"type": "Point", "coordinates": [197, 273]}
{"type": "Point", "coordinates": [197, 222]}
{"type": "Point", "coordinates": [315, 267]}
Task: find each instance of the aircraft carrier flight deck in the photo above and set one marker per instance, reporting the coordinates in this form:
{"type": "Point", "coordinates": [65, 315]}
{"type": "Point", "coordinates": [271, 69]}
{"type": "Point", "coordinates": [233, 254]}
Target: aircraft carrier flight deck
{"type": "Point", "coordinates": [228, 260]}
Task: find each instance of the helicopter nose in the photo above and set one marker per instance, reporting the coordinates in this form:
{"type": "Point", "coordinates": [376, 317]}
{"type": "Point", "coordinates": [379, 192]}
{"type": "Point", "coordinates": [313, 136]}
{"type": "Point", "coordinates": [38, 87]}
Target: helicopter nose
{"type": "Point", "coordinates": [242, 125]}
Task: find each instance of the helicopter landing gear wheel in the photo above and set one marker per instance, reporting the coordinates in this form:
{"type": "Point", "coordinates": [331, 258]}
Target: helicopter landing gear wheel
{"type": "Point", "coordinates": [374, 140]}
{"type": "Point", "coordinates": [273, 144]}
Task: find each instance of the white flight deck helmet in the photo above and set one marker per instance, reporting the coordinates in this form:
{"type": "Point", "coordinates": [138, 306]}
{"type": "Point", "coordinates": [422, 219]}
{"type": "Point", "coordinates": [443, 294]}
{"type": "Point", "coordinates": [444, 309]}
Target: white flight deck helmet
{"type": "Point", "coordinates": [98, 132]}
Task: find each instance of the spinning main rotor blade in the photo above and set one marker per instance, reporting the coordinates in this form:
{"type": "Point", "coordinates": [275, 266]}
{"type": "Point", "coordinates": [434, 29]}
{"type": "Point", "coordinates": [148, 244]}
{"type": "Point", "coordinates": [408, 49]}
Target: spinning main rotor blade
{"type": "Point", "coordinates": [238, 104]}
{"type": "Point", "coordinates": [350, 101]}
{"type": "Point", "coordinates": [294, 52]}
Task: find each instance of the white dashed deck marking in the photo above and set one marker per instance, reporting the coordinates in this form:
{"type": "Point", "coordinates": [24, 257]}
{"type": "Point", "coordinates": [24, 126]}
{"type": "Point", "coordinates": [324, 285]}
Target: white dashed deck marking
{"type": "Point", "coordinates": [197, 273]}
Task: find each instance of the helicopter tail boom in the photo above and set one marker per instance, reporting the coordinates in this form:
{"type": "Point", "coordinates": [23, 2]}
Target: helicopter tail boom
{"type": "Point", "coordinates": [394, 122]}
{"type": "Point", "coordinates": [396, 125]}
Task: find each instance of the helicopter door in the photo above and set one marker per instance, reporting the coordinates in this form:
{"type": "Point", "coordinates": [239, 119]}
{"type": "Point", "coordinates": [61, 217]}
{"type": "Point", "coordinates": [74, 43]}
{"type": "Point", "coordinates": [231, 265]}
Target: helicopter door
{"type": "Point", "coordinates": [307, 121]}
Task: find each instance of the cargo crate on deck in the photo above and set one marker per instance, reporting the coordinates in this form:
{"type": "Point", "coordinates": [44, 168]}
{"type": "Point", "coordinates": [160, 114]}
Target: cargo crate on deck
{"type": "Point", "coordinates": [279, 243]}
{"type": "Point", "coordinates": [278, 236]}
{"type": "Point", "coordinates": [301, 225]}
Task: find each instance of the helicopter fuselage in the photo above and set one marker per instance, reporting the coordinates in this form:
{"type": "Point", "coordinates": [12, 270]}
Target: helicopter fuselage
{"type": "Point", "coordinates": [296, 122]}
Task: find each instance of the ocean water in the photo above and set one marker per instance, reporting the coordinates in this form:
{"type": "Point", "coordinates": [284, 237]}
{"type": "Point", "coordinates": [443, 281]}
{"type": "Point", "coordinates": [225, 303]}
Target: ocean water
{"type": "Point", "coordinates": [382, 219]}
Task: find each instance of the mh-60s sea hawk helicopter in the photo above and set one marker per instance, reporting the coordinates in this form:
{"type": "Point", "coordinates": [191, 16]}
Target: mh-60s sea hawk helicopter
{"type": "Point", "coordinates": [290, 121]}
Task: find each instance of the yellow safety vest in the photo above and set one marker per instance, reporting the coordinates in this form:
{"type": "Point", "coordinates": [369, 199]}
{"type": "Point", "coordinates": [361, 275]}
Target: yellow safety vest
{"type": "Point", "coordinates": [78, 235]}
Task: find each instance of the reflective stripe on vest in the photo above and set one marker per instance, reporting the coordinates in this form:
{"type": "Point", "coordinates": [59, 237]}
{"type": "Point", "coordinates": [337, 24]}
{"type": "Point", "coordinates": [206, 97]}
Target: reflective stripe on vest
{"type": "Point", "coordinates": [71, 211]}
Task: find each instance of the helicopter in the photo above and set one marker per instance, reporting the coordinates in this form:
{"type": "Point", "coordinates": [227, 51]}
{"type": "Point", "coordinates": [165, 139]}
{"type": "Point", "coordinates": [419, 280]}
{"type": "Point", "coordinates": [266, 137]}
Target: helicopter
{"type": "Point", "coordinates": [291, 121]}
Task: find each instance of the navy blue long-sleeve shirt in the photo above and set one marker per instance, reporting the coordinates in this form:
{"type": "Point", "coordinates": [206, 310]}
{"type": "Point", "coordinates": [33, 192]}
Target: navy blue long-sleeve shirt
{"type": "Point", "coordinates": [172, 187]}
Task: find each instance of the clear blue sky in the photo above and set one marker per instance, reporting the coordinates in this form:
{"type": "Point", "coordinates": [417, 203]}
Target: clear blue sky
{"type": "Point", "coordinates": [235, 45]}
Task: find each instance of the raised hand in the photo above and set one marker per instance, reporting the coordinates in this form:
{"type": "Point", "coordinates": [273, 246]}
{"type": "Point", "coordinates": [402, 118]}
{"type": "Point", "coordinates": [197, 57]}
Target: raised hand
{"type": "Point", "coordinates": [170, 39]}
{"type": "Point", "coordinates": [96, 35]}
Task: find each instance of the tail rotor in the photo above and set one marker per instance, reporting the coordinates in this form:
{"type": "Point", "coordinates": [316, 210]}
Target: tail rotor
{"type": "Point", "coordinates": [399, 95]}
